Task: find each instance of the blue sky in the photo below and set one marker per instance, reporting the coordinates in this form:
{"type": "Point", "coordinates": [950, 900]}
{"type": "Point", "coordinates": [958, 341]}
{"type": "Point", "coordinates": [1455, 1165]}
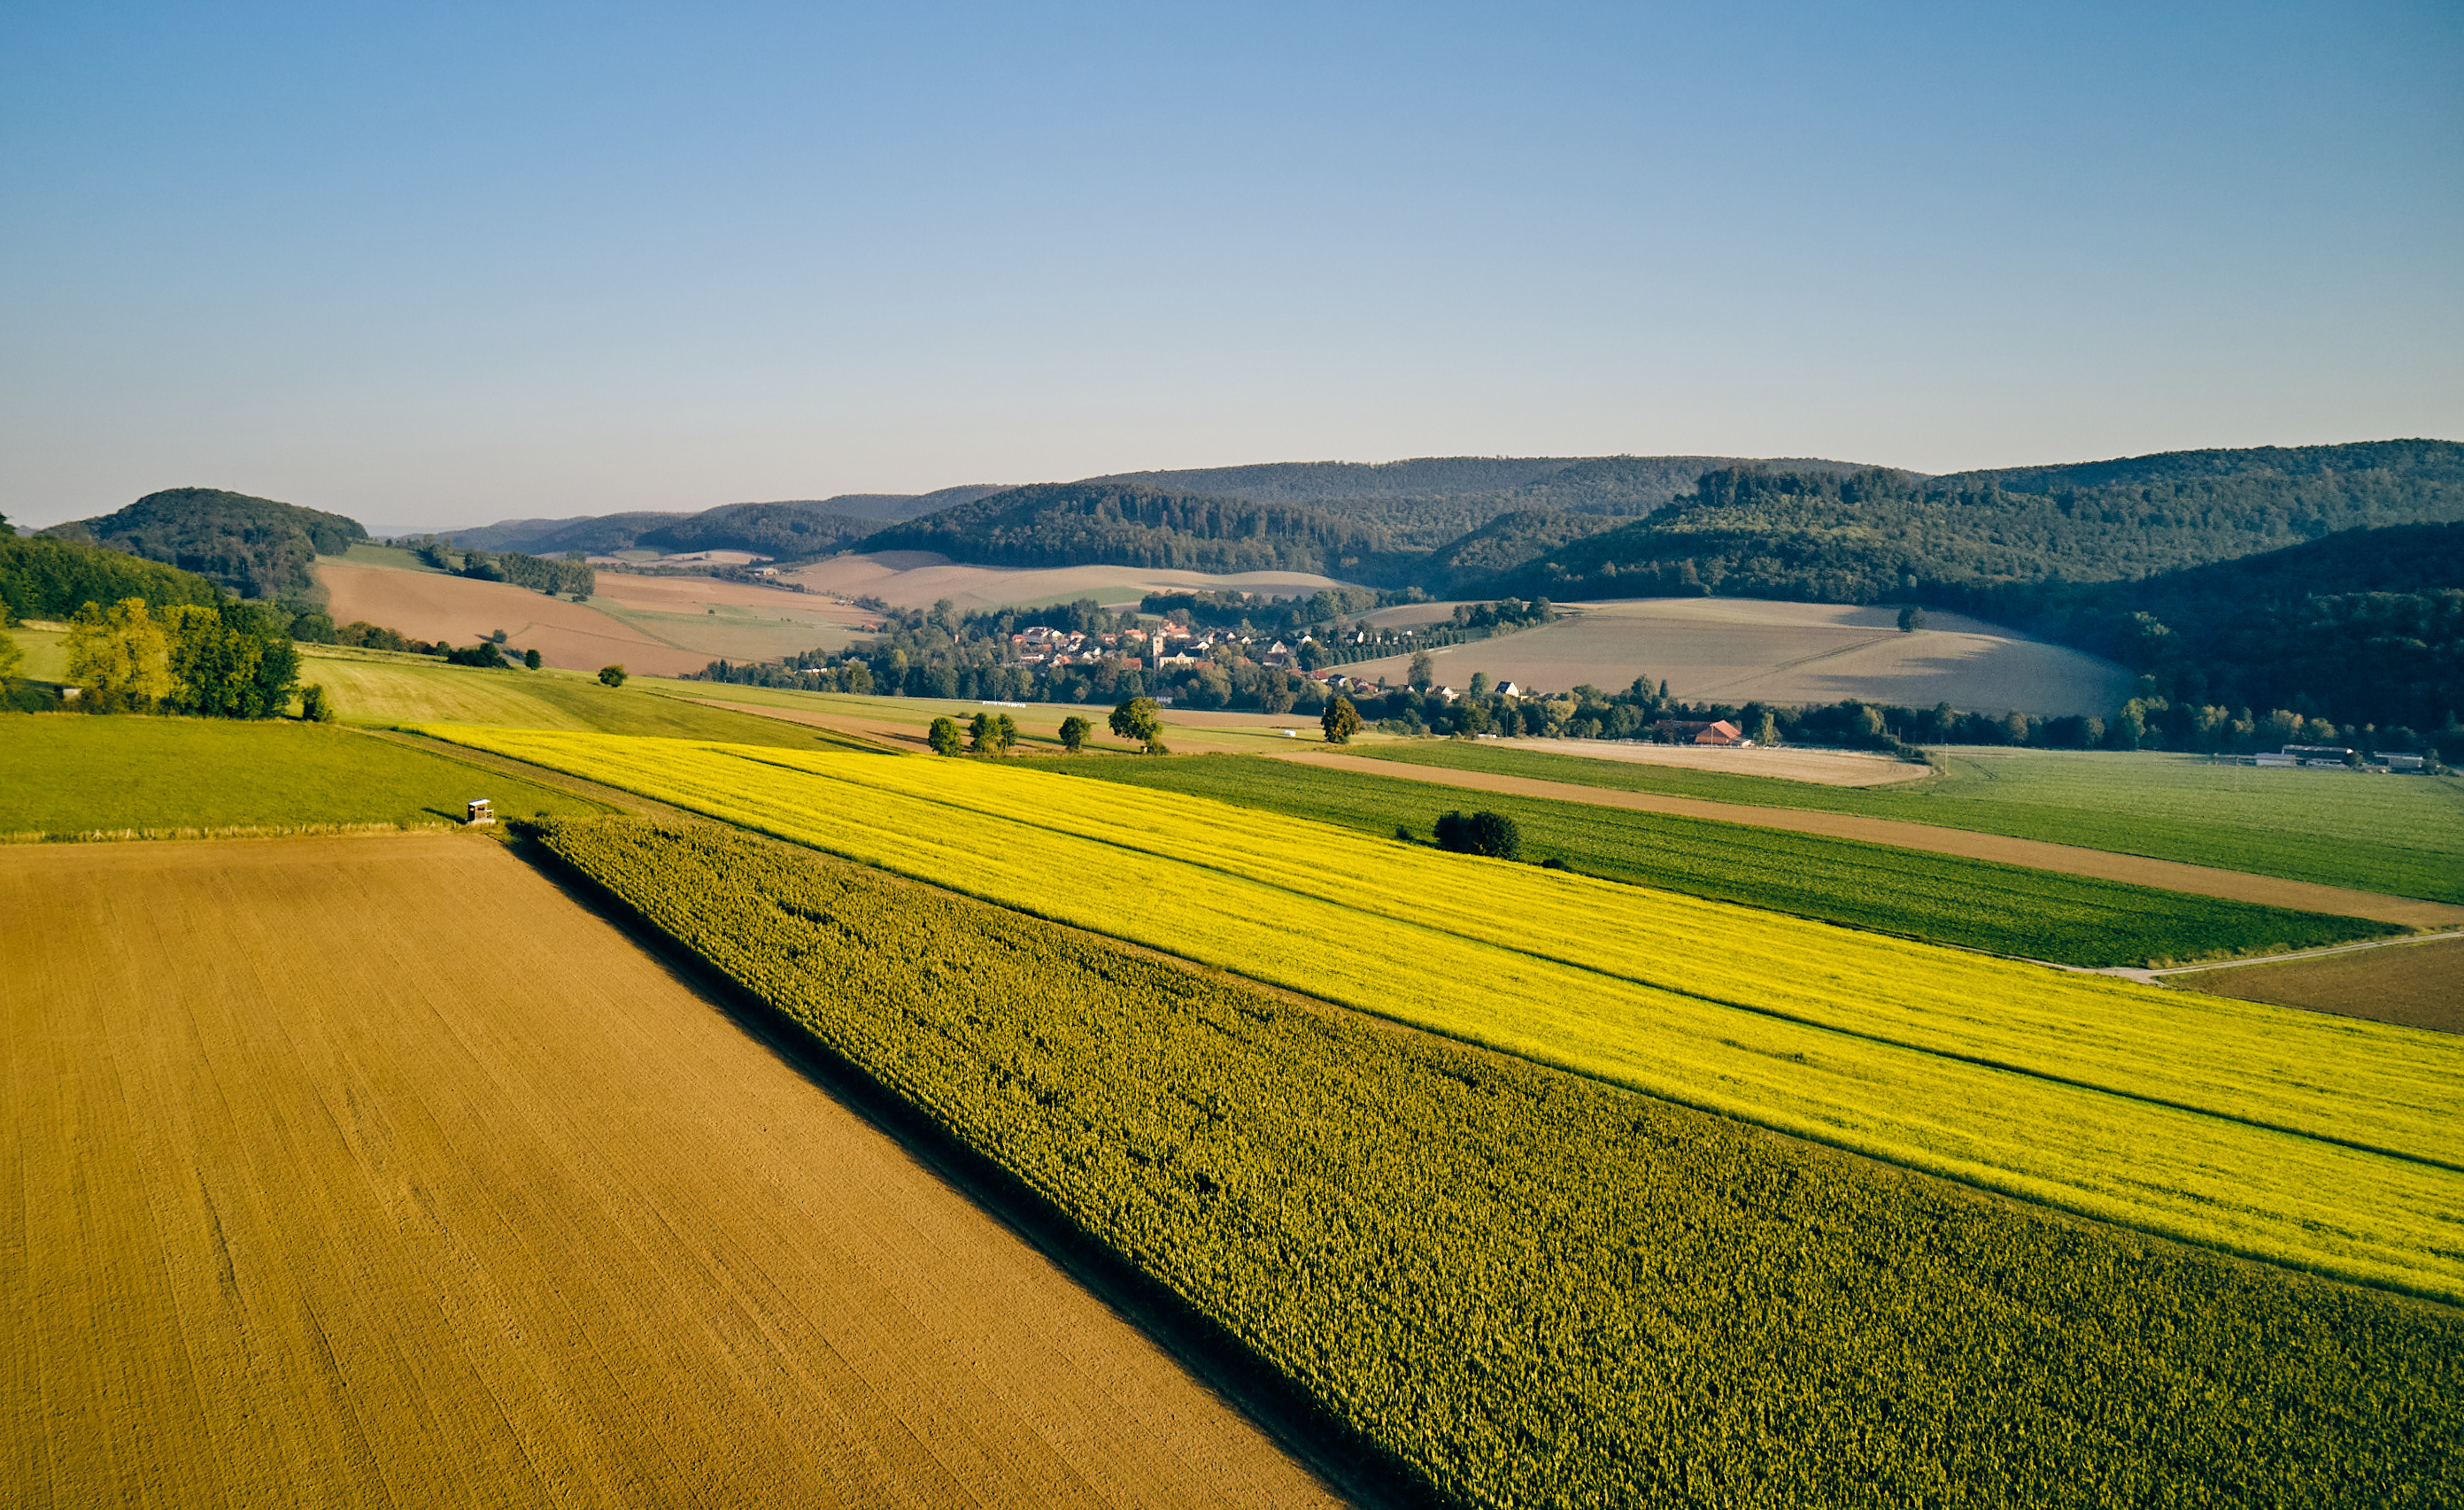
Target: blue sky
{"type": "Point", "coordinates": [447, 264]}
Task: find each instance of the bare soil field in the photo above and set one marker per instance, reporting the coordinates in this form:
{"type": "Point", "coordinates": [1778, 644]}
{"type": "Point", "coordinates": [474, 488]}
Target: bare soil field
{"type": "Point", "coordinates": [2416, 985]}
{"type": "Point", "coordinates": [920, 579]}
{"type": "Point", "coordinates": [1830, 767]}
{"type": "Point", "coordinates": [2172, 875]}
{"type": "Point", "coordinates": [374, 1171]}
{"type": "Point", "coordinates": [658, 626]}
{"type": "Point", "coordinates": [430, 605]}
{"type": "Point", "coordinates": [1738, 650]}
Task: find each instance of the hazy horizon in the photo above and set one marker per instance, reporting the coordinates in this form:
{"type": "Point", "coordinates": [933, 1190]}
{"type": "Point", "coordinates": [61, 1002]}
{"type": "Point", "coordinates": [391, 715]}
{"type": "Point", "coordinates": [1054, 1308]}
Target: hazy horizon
{"type": "Point", "coordinates": [442, 268]}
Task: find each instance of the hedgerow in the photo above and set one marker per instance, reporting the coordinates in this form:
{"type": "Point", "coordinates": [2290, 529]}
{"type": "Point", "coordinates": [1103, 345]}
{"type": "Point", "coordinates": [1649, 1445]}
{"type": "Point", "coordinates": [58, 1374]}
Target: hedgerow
{"type": "Point", "coordinates": [1535, 1289]}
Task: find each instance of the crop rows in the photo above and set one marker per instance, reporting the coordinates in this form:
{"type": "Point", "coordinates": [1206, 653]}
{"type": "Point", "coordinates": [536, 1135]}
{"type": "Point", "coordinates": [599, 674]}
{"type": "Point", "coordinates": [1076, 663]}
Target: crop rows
{"type": "Point", "coordinates": [2303, 1139]}
{"type": "Point", "coordinates": [2403, 836]}
{"type": "Point", "coordinates": [1535, 1289]}
{"type": "Point", "coordinates": [1975, 904]}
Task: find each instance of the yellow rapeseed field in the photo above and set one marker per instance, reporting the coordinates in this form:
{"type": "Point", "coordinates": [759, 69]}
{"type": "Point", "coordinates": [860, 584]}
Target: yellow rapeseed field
{"type": "Point", "coordinates": [2313, 1141]}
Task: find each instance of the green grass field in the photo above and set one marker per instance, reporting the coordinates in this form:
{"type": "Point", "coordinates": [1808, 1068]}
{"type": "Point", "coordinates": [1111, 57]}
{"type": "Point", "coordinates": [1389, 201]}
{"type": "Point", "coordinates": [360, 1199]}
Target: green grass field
{"type": "Point", "coordinates": [47, 656]}
{"type": "Point", "coordinates": [69, 774]}
{"type": "Point", "coordinates": [1533, 1289]}
{"type": "Point", "coordinates": [1975, 904]}
{"type": "Point", "coordinates": [2403, 836]}
{"type": "Point", "coordinates": [386, 690]}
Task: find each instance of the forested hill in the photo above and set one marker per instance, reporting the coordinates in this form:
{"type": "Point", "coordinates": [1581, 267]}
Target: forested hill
{"type": "Point", "coordinates": [1871, 537]}
{"type": "Point", "coordinates": [1131, 524]}
{"type": "Point", "coordinates": [787, 528]}
{"type": "Point", "coordinates": [2362, 626]}
{"type": "Point", "coordinates": [42, 577]}
{"type": "Point", "coordinates": [1424, 504]}
{"type": "Point", "coordinates": [256, 547]}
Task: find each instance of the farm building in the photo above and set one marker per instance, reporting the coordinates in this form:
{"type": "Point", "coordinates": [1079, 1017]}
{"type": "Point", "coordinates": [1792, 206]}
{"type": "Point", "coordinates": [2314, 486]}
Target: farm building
{"type": "Point", "coordinates": [1695, 731]}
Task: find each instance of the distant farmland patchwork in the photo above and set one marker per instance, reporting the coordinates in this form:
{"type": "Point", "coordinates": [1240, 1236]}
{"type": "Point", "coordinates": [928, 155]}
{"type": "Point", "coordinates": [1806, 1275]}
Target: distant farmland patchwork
{"type": "Point", "coordinates": [1744, 649]}
{"type": "Point", "coordinates": [2293, 1137]}
{"type": "Point", "coordinates": [357, 1203]}
{"type": "Point", "coordinates": [2403, 836]}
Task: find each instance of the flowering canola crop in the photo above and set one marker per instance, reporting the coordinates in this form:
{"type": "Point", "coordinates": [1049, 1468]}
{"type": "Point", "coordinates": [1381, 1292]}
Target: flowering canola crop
{"type": "Point", "coordinates": [2314, 1141]}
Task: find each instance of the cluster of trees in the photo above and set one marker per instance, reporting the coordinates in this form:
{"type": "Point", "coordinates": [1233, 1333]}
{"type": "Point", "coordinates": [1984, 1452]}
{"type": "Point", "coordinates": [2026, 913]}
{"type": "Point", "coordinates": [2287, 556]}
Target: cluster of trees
{"type": "Point", "coordinates": [255, 547]}
{"type": "Point", "coordinates": [232, 662]}
{"type": "Point", "coordinates": [44, 577]}
{"type": "Point", "coordinates": [571, 577]}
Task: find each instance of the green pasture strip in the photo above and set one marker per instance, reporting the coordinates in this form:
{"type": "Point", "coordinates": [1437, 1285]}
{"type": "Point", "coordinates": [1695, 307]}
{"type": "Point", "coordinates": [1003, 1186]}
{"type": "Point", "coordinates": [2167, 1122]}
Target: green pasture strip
{"type": "Point", "coordinates": [1531, 1288]}
{"type": "Point", "coordinates": [2310, 1140]}
{"type": "Point", "coordinates": [397, 691]}
{"type": "Point", "coordinates": [368, 553]}
{"type": "Point", "coordinates": [1975, 904]}
{"type": "Point", "coordinates": [2398, 835]}
{"type": "Point", "coordinates": [47, 654]}
{"type": "Point", "coordinates": [76, 774]}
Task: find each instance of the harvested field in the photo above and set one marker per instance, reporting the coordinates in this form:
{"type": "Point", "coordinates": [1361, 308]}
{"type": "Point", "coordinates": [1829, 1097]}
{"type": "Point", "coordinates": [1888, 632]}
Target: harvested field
{"type": "Point", "coordinates": [1828, 767]}
{"type": "Point", "coordinates": [920, 579]}
{"type": "Point", "coordinates": [430, 605]}
{"type": "Point", "coordinates": [1737, 650]}
{"type": "Point", "coordinates": [2415, 985]}
{"type": "Point", "coordinates": [2170, 875]}
{"type": "Point", "coordinates": [314, 1192]}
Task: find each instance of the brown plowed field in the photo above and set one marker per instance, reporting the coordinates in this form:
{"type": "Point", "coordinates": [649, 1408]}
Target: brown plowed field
{"type": "Point", "coordinates": [430, 605]}
{"type": "Point", "coordinates": [367, 1172]}
{"type": "Point", "coordinates": [2172, 875]}
{"type": "Point", "coordinates": [2418, 985]}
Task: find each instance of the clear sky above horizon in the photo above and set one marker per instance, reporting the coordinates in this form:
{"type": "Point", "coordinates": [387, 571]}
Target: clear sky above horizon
{"type": "Point", "coordinates": [447, 264]}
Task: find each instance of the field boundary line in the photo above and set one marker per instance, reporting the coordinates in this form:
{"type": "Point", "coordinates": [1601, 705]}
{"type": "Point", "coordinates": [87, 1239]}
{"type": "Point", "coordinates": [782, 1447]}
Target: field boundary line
{"type": "Point", "coordinates": [1898, 833]}
{"type": "Point", "coordinates": [2278, 959]}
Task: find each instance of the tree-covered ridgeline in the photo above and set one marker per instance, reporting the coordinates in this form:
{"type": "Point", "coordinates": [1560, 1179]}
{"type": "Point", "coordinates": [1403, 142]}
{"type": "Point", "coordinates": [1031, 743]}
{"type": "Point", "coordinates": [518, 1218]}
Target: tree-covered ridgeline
{"type": "Point", "coordinates": [571, 577]}
{"type": "Point", "coordinates": [256, 547]}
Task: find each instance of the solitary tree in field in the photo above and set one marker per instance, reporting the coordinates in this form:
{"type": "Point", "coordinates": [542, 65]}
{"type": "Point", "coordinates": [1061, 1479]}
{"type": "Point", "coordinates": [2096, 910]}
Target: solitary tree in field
{"type": "Point", "coordinates": [1911, 619]}
{"type": "Point", "coordinates": [1491, 833]}
{"type": "Point", "coordinates": [1074, 730]}
{"type": "Point", "coordinates": [944, 736]}
{"type": "Point", "coordinates": [1139, 719]}
{"type": "Point", "coordinates": [980, 735]}
{"type": "Point", "coordinates": [531, 659]}
{"type": "Point", "coordinates": [1004, 733]}
{"type": "Point", "coordinates": [314, 706]}
{"type": "Point", "coordinates": [612, 675]}
{"type": "Point", "coordinates": [1423, 673]}
{"type": "Point", "coordinates": [992, 734]}
{"type": "Point", "coordinates": [1340, 721]}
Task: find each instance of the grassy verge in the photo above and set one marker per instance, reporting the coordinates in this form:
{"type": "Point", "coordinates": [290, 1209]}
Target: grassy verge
{"type": "Point", "coordinates": [1535, 1289]}
{"type": "Point", "coordinates": [1975, 904]}
{"type": "Point", "coordinates": [69, 775]}
{"type": "Point", "coordinates": [2403, 836]}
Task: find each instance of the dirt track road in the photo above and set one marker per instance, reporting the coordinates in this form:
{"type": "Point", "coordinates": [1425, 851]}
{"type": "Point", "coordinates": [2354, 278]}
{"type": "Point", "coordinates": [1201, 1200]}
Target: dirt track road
{"type": "Point", "coordinates": [375, 1170]}
{"type": "Point", "coordinates": [2172, 875]}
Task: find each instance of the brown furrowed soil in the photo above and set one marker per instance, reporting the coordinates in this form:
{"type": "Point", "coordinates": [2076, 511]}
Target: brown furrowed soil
{"type": "Point", "coordinates": [430, 605]}
{"type": "Point", "coordinates": [374, 1171]}
{"type": "Point", "coordinates": [2417, 985]}
{"type": "Point", "coordinates": [2172, 875]}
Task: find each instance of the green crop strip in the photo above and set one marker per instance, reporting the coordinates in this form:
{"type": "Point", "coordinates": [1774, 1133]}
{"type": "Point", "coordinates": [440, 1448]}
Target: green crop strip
{"type": "Point", "coordinates": [1535, 1289]}
{"type": "Point", "coordinates": [2400, 835]}
{"type": "Point", "coordinates": [1975, 904]}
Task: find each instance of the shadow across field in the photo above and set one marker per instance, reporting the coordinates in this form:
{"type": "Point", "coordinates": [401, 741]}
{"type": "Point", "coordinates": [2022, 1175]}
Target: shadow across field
{"type": "Point", "coordinates": [1362, 1472]}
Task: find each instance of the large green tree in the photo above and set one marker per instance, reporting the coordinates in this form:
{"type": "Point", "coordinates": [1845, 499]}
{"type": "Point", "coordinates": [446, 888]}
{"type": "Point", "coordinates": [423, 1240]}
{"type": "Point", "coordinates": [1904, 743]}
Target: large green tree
{"type": "Point", "coordinates": [1138, 718]}
{"type": "Point", "coordinates": [1340, 721]}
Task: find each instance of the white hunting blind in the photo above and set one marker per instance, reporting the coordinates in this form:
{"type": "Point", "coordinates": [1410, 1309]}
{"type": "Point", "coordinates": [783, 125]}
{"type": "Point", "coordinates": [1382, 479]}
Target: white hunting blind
{"type": "Point", "coordinates": [482, 811]}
